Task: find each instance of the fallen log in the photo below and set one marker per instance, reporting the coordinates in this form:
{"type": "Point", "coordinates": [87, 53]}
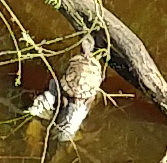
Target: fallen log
{"type": "Point", "coordinates": [132, 52]}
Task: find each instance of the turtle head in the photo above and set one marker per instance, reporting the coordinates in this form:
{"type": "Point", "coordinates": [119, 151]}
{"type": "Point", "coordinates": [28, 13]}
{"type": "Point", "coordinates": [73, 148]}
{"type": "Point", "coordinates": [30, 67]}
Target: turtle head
{"type": "Point", "coordinates": [88, 45]}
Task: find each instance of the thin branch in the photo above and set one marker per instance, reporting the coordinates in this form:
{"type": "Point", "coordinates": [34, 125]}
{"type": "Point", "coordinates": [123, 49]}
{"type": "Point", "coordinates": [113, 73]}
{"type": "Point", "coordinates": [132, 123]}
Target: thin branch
{"type": "Point", "coordinates": [44, 42]}
{"type": "Point", "coordinates": [29, 40]}
{"type": "Point", "coordinates": [18, 79]}
{"type": "Point", "coordinates": [20, 157]}
{"type": "Point", "coordinates": [18, 127]}
{"type": "Point", "coordinates": [57, 109]}
{"type": "Point", "coordinates": [109, 96]}
{"type": "Point", "coordinates": [14, 119]}
{"type": "Point", "coordinates": [13, 16]}
{"type": "Point", "coordinates": [98, 3]}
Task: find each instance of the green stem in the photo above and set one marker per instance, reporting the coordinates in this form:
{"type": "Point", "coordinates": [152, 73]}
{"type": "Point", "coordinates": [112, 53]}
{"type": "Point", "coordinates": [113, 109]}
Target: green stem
{"type": "Point", "coordinates": [14, 120]}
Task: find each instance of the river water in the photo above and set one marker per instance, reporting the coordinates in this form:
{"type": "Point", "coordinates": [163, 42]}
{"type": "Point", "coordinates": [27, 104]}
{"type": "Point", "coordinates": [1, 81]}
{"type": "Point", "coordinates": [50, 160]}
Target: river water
{"type": "Point", "coordinates": [135, 132]}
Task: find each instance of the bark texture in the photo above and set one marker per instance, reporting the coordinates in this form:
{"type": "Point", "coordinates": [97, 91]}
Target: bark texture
{"type": "Point", "coordinates": [133, 52]}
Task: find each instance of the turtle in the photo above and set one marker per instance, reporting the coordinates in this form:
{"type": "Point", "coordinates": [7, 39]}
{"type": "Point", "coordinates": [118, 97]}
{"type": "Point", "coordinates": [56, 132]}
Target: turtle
{"type": "Point", "coordinates": [83, 76]}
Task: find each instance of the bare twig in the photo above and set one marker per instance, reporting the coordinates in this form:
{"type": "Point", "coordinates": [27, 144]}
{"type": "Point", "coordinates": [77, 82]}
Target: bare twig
{"type": "Point", "coordinates": [39, 49]}
{"type": "Point", "coordinates": [98, 4]}
{"type": "Point", "coordinates": [29, 40]}
{"type": "Point", "coordinates": [20, 157]}
{"type": "Point", "coordinates": [45, 42]}
{"type": "Point", "coordinates": [109, 96]}
{"type": "Point", "coordinates": [57, 109]}
{"type": "Point", "coordinates": [18, 79]}
{"type": "Point", "coordinates": [13, 15]}
{"type": "Point", "coordinates": [19, 126]}
{"type": "Point", "coordinates": [14, 119]}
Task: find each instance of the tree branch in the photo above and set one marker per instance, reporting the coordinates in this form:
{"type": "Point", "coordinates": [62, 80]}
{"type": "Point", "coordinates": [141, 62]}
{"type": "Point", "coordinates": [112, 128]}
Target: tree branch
{"type": "Point", "coordinates": [129, 48]}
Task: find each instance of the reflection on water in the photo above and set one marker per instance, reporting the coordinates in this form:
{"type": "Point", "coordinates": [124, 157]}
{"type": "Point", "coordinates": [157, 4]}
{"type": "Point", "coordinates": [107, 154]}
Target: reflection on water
{"type": "Point", "coordinates": [134, 132]}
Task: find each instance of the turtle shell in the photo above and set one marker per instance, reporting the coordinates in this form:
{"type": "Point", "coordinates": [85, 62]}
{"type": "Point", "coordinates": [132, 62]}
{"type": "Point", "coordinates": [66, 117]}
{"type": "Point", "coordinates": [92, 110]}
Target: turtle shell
{"type": "Point", "coordinates": [82, 78]}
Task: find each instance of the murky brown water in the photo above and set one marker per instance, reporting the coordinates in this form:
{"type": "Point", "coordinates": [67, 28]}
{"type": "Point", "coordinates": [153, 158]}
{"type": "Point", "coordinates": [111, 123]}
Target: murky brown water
{"type": "Point", "coordinates": [135, 132]}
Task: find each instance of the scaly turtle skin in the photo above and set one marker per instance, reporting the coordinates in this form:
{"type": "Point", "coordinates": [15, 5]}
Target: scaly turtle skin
{"type": "Point", "coordinates": [83, 76]}
{"type": "Point", "coordinates": [70, 118]}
